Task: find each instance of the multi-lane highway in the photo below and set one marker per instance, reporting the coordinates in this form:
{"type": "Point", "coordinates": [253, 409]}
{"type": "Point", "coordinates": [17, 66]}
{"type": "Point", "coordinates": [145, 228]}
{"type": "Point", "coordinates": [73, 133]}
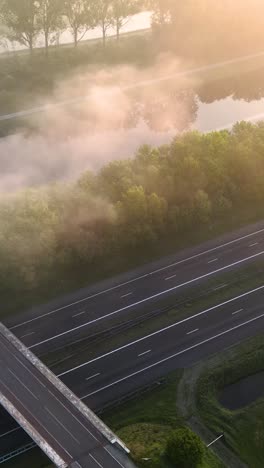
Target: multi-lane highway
{"type": "Point", "coordinates": [122, 370]}
{"type": "Point", "coordinates": [58, 426]}
{"type": "Point", "coordinates": [127, 367]}
{"type": "Point", "coordinates": [110, 376]}
{"type": "Point", "coordinates": [97, 308]}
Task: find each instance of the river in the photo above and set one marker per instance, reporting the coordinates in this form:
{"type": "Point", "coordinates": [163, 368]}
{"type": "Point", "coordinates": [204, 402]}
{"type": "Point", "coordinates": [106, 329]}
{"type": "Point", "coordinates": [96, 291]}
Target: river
{"type": "Point", "coordinates": [83, 136]}
{"type": "Point", "coordinates": [244, 392]}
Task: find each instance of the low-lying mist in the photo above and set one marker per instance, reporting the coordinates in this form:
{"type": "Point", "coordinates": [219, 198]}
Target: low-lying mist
{"type": "Point", "coordinates": [111, 121]}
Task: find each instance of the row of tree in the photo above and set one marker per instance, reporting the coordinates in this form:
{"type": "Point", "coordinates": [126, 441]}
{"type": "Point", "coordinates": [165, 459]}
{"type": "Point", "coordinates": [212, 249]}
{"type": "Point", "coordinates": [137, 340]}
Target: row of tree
{"type": "Point", "coordinates": [129, 208]}
{"type": "Point", "coordinates": [25, 20]}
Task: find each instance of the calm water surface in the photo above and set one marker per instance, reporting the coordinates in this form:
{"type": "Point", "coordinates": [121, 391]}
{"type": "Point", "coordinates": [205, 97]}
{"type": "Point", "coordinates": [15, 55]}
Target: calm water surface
{"type": "Point", "coordinates": [85, 137]}
{"type": "Point", "coordinates": [244, 392]}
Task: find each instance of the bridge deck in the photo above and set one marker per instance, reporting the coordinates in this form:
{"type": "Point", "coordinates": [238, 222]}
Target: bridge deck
{"type": "Point", "coordinates": [53, 417]}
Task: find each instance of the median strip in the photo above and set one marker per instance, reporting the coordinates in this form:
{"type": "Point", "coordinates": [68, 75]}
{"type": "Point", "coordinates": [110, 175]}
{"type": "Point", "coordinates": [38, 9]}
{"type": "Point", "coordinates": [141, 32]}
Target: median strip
{"type": "Point", "coordinates": [162, 330]}
{"type": "Point", "coordinates": [155, 364]}
{"type": "Point", "coordinates": [162, 293]}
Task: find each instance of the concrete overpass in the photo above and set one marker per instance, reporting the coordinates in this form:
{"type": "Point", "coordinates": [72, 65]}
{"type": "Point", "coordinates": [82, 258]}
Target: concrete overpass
{"type": "Point", "coordinates": [68, 432]}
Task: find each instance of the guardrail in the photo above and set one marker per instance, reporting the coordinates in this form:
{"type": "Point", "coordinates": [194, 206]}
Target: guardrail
{"type": "Point", "coordinates": [17, 452]}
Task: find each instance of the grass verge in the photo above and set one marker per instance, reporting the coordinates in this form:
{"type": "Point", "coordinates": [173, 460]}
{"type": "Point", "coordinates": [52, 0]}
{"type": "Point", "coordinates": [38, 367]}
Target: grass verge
{"type": "Point", "coordinates": [191, 397]}
{"type": "Point", "coordinates": [171, 310]}
{"type": "Point", "coordinates": [244, 428]}
{"type": "Point", "coordinates": [146, 424]}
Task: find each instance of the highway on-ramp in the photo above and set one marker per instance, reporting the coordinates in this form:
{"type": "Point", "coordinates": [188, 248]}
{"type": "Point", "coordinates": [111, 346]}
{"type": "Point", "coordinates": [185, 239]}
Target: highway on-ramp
{"type": "Point", "coordinates": [47, 329]}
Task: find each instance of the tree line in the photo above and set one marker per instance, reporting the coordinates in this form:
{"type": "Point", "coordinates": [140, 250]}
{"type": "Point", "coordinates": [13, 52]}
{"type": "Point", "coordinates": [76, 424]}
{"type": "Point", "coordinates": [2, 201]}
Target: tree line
{"type": "Point", "coordinates": [25, 20]}
{"type": "Point", "coordinates": [67, 234]}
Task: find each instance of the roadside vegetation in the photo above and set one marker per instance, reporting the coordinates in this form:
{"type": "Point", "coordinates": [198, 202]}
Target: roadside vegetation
{"type": "Point", "coordinates": [130, 211]}
{"type": "Point", "coordinates": [147, 424]}
{"type": "Point", "coordinates": [243, 428]}
{"type": "Point", "coordinates": [191, 397]}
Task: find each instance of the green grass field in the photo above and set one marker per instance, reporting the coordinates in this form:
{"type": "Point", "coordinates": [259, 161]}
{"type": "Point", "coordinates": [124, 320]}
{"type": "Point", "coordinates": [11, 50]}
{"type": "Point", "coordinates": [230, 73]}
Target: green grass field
{"type": "Point", "coordinates": [244, 428]}
{"type": "Point", "coordinates": [146, 423]}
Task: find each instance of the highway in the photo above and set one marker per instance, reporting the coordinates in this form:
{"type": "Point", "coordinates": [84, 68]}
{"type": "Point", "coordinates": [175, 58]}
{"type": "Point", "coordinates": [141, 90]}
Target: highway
{"type": "Point", "coordinates": [178, 345]}
{"type": "Point", "coordinates": [136, 364]}
{"type": "Point", "coordinates": [112, 375]}
{"type": "Point", "coordinates": [111, 302]}
{"type": "Point", "coordinates": [57, 421]}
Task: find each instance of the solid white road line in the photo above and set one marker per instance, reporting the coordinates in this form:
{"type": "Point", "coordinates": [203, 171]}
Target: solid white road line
{"type": "Point", "coordinates": [117, 461]}
{"type": "Point", "coordinates": [237, 311]}
{"type": "Point", "coordinates": [62, 425]}
{"type": "Point", "coordinates": [22, 383]}
{"type": "Point", "coordinates": [162, 330]}
{"type": "Point", "coordinates": [162, 293]}
{"type": "Point", "coordinates": [215, 440]}
{"type": "Point", "coordinates": [126, 295]}
{"type": "Point", "coordinates": [27, 334]}
{"type": "Point", "coordinates": [97, 462]}
{"type": "Point", "coordinates": [37, 420]}
{"type": "Point", "coordinates": [193, 331]}
{"type": "Point", "coordinates": [139, 278]}
{"type": "Point", "coordinates": [93, 376]}
{"type": "Point", "coordinates": [51, 393]}
{"type": "Point", "coordinates": [155, 364]}
{"type": "Point", "coordinates": [10, 432]}
{"type": "Point", "coordinates": [145, 352]}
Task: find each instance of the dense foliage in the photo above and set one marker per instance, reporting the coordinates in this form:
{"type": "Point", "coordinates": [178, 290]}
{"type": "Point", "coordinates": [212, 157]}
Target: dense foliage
{"type": "Point", "coordinates": [185, 449]}
{"type": "Point", "coordinates": [71, 233]}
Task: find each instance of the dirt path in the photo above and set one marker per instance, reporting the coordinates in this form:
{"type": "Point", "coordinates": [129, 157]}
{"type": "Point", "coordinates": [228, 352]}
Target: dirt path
{"type": "Point", "coordinates": [186, 405]}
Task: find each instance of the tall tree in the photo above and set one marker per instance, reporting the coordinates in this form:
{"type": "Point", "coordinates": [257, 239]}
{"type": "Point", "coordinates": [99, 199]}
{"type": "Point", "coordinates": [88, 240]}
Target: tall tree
{"type": "Point", "coordinates": [122, 10]}
{"type": "Point", "coordinates": [161, 11]}
{"type": "Point", "coordinates": [20, 17]}
{"type": "Point", "coordinates": [104, 16]}
{"type": "Point", "coordinates": [81, 17]}
{"type": "Point", "coordinates": [50, 18]}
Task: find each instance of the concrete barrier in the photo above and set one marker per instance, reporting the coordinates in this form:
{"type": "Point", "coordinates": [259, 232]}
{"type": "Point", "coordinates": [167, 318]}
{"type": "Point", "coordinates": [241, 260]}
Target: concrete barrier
{"type": "Point", "coordinates": [48, 374]}
{"type": "Point", "coordinates": [32, 432]}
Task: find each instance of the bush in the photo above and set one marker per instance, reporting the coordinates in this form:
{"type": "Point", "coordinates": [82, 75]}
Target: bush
{"type": "Point", "coordinates": [185, 449]}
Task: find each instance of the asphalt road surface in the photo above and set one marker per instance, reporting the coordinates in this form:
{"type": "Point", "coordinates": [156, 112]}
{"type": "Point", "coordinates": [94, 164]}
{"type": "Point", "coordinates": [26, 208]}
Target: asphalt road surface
{"type": "Point", "coordinates": [109, 303]}
{"type": "Point", "coordinates": [54, 417]}
{"type": "Point", "coordinates": [110, 376]}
